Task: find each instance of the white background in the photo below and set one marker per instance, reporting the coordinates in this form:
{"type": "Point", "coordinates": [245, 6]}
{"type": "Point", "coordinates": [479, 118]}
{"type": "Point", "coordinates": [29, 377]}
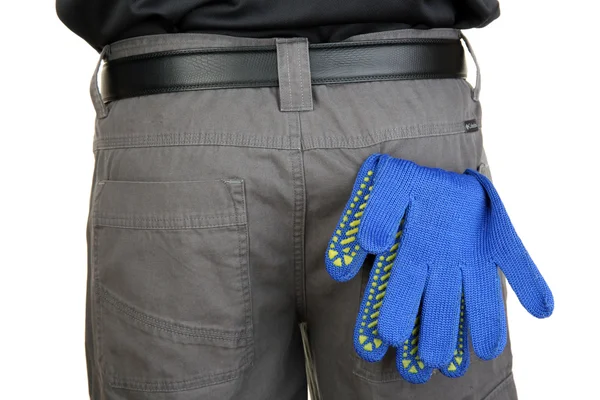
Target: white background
{"type": "Point", "coordinates": [541, 108]}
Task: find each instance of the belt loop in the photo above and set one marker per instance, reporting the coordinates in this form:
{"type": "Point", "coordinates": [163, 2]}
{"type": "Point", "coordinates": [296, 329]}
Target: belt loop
{"type": "Point", "coordinates": [477, 88]}
{"type": "Point", "coordinates": [293, 69]}
{"type": "Point", "coordinates": [101, 110]}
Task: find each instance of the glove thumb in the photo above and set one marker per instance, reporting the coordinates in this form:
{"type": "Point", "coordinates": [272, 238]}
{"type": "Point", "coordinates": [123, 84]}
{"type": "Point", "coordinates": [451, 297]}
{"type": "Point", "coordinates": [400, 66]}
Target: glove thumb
{"type": "Point", "coordinates": [507, 249]}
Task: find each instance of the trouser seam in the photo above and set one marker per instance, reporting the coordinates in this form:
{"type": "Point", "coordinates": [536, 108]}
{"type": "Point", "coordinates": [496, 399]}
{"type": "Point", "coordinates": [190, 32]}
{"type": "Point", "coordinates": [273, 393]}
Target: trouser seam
{"type": "Point", "coordinates": [298, 211]}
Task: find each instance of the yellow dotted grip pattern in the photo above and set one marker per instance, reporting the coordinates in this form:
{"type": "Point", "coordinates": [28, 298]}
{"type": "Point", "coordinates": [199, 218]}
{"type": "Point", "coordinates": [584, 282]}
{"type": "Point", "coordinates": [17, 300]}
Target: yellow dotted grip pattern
{"type": "Point", "coordinates": [344, 256]}
{"type": "Point", "coordinates": [367, 342]}
{"type": "Point", "coordinates": [460, 360]}
{"type": "Point", "coordinates": [343, 249]}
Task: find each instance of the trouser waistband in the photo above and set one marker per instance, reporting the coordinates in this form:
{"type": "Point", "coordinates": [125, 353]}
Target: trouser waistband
{"type": "Point", "coordinates": [183, 62]}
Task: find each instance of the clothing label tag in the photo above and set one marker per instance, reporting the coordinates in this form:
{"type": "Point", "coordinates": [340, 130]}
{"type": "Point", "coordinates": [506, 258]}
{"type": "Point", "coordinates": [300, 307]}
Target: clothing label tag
{"type": "Point", "coordinates": [471, 126]}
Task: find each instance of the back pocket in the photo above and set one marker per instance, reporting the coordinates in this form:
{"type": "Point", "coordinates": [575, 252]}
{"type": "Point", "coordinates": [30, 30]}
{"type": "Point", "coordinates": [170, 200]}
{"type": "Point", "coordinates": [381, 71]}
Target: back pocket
{"type": "Point", "coordinates": [171, 294]}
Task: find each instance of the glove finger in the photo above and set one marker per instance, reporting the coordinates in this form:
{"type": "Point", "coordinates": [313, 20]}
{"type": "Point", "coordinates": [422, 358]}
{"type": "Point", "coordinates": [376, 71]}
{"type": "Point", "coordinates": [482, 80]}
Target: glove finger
{"type": "Point", "coordinates": [344, 256]}
{"type": "Point", "coordinates": [527, 283]}
{"type": "Point", "coordinates": [367, 342]}
{"type": "Point", "coordinates": [403, 295]}
{"type": "Point", "coordinates": [387, 204]}
{"type": "Point", "coordinates": [486, 318]}
{"type": "Point", "coordinates": [461, 359]}
{"type": "Point", "coordinates": [512, 257]}
{"type": "Point", "coordinates": [440, 315]}
{"type": "Point", "coordinates": [408, 362]}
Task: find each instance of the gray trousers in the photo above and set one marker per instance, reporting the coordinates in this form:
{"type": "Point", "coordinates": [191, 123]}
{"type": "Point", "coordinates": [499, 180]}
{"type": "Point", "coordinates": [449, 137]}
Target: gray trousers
{"type": "Point", "coordinates": [210, 213]}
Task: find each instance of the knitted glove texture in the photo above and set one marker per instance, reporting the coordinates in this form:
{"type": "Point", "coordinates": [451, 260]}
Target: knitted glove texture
{"type": "Point", "coordinates": [344, 259]}
{"type": "Point", "coordinates": [439, 238]}
{"type": "Point", "coordinates": [455, 237]}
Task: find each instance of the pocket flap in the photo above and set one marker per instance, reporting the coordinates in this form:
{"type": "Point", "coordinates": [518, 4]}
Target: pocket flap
{"type": "Point", "coordinates": [169, 205]}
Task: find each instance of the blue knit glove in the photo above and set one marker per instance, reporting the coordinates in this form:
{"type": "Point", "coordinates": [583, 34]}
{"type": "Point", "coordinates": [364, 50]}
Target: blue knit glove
{"type": "Point", "coordinates": [455, 236]}
{"type": "Point", "coordinates": [343, 260]}
{"type": "Point", "coordinates": [370, 346]}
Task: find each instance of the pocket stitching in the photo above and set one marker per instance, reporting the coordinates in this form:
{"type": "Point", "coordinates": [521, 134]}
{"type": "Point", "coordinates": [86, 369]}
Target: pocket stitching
{"type": "Point", "coordinates": [199, 381]}
{"type": "Point", "coordinates": [148, 221]}
{"type": "Point", "coordinates": [149, 385]}
{"type": "Point", "coordinates": [243, 237]}
{"type": "Point", "coordinates": [195, 382]}
{"type": "Point", "coordinates": [106, 297]}
{"type": "Point", "coordinates": [98, 221]}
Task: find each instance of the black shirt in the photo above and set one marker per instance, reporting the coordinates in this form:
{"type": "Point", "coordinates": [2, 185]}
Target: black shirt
{"type": "Point", "coordinates": [100, 22]}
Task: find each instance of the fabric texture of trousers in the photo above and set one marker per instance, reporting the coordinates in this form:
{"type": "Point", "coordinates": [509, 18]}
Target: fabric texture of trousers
{"type": "Point", "coordinates": [209, 217]}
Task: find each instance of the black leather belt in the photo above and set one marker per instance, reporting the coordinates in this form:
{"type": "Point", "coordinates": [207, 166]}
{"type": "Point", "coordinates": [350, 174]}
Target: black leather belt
{"type": "Point", "coordinates": [330, 63]}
